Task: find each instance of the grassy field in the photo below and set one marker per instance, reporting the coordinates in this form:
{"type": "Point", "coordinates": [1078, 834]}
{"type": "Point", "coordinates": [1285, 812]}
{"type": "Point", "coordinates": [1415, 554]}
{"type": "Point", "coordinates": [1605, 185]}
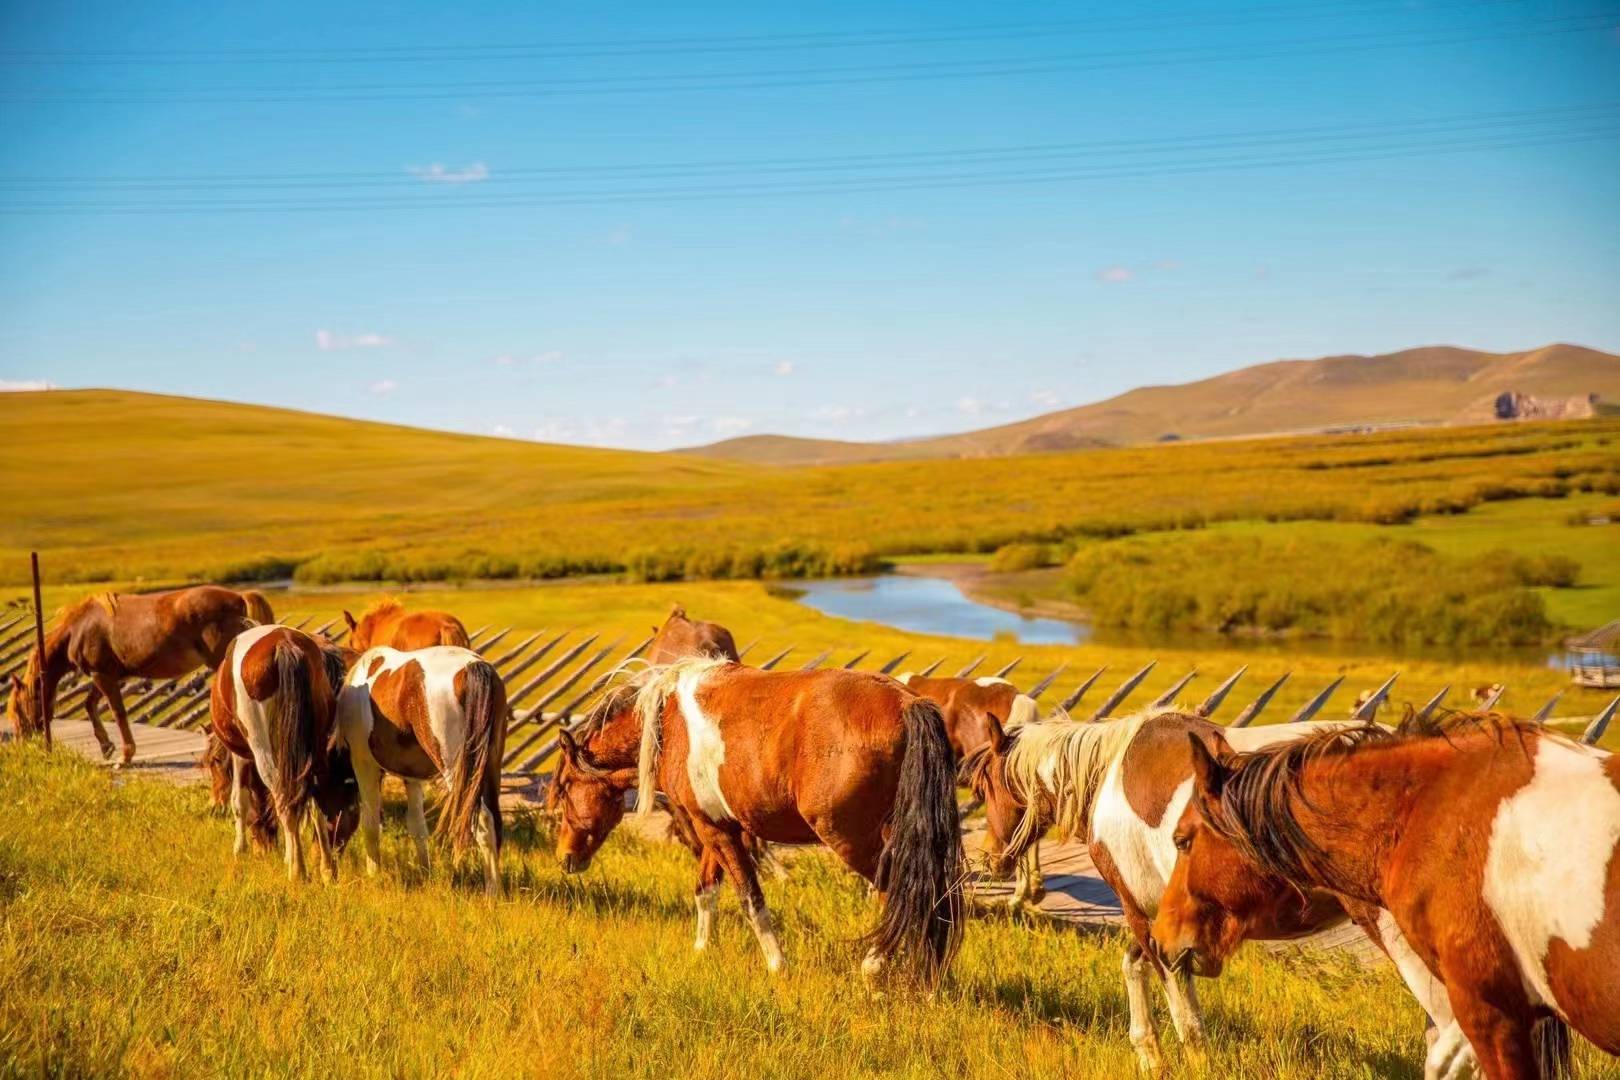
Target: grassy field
{"type": "Point", "coordinates": [115, 486]}
{"type": "Point", "coordinates": [132, 944]}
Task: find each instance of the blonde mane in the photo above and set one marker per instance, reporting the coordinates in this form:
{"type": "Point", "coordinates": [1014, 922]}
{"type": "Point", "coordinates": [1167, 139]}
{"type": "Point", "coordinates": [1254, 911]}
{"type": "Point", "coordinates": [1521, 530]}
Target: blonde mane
{"type": "Point", "coordinates": [653, 686]}
{"type": "Point", "coordinates": [1060, 763]}
{"type": "Point", "coordinates": [383, 606]}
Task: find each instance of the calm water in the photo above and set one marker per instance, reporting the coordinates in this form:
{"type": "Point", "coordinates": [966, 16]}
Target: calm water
{"type": "Point", "coordinates": [926, 605]}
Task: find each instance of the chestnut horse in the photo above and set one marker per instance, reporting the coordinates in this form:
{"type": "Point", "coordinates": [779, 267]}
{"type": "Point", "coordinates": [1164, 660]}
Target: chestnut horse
{"type": "Point", "coordinates": [272, 709]}
{"type": "Point", "coordinates": [968, 705]}
{"type": "Point", "coordinates": [1120, 786]}
{"type": "Point", "coordinates": [1495, 847]}
{"type": "Point", "coordinates": [846, 759]}
{"type": "Point", "coordinates": [115, 636]}
{"type": "Point", "coordinates": [429, 713]}
{"type": "Point", "coordinates": [388, 623]}
{"type": "Point", "coordinates": [681, 637]}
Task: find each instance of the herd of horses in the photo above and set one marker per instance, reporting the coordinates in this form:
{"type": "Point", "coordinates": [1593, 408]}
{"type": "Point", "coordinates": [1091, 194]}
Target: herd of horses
{"type": "Point", "coordinates": [1480, 852]}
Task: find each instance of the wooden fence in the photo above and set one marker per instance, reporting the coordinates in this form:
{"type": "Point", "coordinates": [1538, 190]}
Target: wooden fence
{"type": "Point", "coordinates": [552, 678]}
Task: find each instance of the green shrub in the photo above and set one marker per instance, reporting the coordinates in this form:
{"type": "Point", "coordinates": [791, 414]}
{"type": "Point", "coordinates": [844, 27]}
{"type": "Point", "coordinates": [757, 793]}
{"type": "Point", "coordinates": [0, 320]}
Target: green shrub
{"type": "Point", "coordinates": [1013, 557]}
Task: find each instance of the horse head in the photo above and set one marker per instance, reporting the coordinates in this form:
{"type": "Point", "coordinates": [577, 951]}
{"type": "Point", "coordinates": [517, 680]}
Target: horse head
{"type": "Point", "coordinates": [1216, 898]}
{"type": "Point", "coordinates": [588, 801]}
{"type": "Point", "coordinates": [984, 772]}
{"type": "Point", "coordinates": [22, 710]}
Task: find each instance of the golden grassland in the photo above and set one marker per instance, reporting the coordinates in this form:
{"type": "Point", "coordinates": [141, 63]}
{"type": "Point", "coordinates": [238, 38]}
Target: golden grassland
{"type": "Point", "coordinates": [133, 944]}
{"type": "Point", "coordinates": [117, 486]}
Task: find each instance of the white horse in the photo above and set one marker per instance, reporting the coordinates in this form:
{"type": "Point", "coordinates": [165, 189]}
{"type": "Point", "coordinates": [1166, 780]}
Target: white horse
{"type": "Point", "coordinates": [426, 714]}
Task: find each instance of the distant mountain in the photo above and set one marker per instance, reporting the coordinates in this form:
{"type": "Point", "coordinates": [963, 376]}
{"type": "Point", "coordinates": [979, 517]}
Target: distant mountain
{"type": "Point", "coordinates": [1437, 384]}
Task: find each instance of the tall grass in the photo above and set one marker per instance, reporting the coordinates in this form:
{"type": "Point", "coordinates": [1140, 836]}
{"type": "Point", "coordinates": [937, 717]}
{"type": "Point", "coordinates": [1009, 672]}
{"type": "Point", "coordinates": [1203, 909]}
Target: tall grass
{"type": "Point", "coordinates": [132, 944]}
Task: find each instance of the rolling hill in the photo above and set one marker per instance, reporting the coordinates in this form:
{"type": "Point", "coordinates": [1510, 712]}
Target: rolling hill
{"type": "Point", "coordinates": [1432, 385]}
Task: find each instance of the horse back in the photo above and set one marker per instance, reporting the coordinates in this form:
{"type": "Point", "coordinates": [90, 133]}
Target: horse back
{"type": "Point", "coordinates": [405, 705]}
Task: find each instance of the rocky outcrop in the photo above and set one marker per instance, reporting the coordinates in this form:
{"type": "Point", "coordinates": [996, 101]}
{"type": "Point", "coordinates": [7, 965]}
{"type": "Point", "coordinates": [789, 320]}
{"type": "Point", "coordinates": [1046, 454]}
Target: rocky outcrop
{"type": "Point", "coordinates": [1512, 405]}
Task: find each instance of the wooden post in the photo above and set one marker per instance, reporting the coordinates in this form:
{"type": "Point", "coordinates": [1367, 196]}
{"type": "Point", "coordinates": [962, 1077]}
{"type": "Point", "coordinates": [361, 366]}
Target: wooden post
{"type": "Point", "coordinates": [39, 640]}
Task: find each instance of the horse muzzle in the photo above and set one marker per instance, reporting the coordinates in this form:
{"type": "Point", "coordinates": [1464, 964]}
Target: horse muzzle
{"type": "Point", "coordinates": [575, 863]}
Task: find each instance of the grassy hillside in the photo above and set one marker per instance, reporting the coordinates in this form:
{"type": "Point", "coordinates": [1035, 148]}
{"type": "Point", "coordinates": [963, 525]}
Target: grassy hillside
{"type": "Point", "coordinates": [132, 944]}
{"type": "Point", "coordinates": [121, 486]}
{"type": "Point", "coordinates": [1436, 385]}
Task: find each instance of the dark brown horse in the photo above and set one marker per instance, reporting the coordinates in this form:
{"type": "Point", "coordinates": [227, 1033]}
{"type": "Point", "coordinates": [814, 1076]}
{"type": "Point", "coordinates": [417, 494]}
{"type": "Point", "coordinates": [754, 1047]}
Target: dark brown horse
{"type": "Point", "coordinates": [387, 623]}
{"type": "Point", "coordinates": [1495, 847]}
{"type": "Point", "coordinates": [115, 636]}
{"type": "Point", "coordinates": [681, 637]}
{"type": "Point", "coordinates": [850, 760]}
{"type": "Point", "coordinates": [273, 709]}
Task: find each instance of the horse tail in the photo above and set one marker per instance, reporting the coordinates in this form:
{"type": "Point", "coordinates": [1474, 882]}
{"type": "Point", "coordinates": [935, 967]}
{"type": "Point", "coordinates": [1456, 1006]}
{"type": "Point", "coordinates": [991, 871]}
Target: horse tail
{"type": "Point", "coordinates": [477, 775]}
{"type": "Point", "coordinates": [258, 607]}
{"type": "Point", "coordinates": [291, 712]}
{"type": "Point", "coordinates": [920, 870]}
{"type": "Point", "coordinates": [1551, 1042]}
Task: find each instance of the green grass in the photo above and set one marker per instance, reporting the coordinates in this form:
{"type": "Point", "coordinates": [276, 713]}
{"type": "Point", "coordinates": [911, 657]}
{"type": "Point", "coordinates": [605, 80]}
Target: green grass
{"type": "Point", "coordinates": [115, 486]}
{"type": "Point", "coordinates": [133, 944]}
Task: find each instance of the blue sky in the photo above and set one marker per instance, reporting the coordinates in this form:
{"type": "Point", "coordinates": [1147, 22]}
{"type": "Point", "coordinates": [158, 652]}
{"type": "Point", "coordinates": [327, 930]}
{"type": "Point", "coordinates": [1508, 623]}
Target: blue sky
{"type": "Point", "coordinates": [652, 225]}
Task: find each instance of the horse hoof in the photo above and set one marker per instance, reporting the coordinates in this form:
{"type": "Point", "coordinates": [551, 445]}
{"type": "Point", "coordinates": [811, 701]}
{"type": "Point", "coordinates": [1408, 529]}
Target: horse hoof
{"type": "Point", "coordinates": [106, 750]}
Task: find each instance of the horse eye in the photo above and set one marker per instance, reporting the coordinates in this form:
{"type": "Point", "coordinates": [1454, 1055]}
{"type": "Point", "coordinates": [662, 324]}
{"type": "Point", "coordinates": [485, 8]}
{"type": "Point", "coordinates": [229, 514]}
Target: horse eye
{"type": "Point", "coordinates": [1183, 842]}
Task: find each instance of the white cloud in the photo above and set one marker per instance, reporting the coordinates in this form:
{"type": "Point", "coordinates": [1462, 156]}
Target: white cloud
{"type": "Point", "coordinates": [609, 432]}
{"type": "Point", "coordinates": [327, 341]}
{"type": "Point", "coordinates": [1115, 274]}
{"type": "Point", "coordinates": [25, 386]}
{"type": "Point", "coordinates": [501, 431]}
{"type": "Point", "coordinates": [436, 173]}
{"type": "Point", "coordinates": [837, 414]}
{"type": "Point", "coordinates": [1047, 399]}
{"type": "Point", "coordinates": [730, 425]}
{"type": "Point", "coordinates": [550, 356]}
{"type": "Point", "coordinates": [784, 368]}
{"type": "Point", "coordinates": [384, 387]}
{"type": "Point", "coordinates": [969, 405]}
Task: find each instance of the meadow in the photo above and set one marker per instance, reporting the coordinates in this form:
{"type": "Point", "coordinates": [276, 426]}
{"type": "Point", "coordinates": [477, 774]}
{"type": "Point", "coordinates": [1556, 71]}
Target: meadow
{"type": "Point", "coordinates": [118, 486]}
{"type": "Point", "coordinates": [133, 944]}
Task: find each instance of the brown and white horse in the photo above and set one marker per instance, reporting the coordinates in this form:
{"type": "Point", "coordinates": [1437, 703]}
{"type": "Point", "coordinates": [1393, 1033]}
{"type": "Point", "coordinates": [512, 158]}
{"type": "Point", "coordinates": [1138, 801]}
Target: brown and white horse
{"type": "Point", "coordinates": [1120, 785]}
{"type": "Point", "coordinates": [681, 637]}
{"type": "Point", "coordinates": [388, 623]}
{"type": "Point", "coordinates": [846, 759]}
{"type": "Point", "coordinates": [430, 713]}
{"type": "Point", "coordinates": [110, 637]}
{"type": "Point", "coordinates": [968, 705]}
{"type": "Point", "coordinates": [1493, 844]}
{"type": "Point", "coordinates": [272, 710]}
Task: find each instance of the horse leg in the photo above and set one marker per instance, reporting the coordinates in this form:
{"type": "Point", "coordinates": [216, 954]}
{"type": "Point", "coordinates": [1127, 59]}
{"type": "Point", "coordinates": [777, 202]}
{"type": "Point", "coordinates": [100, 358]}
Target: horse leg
{"type": "Point", "coordinates": [484, 834]}
{"type": "Point", "coordinates": [296, 871]}
{"type": "Point", "coordinates": [241, 803]}
{"type": "Point", "coordinates": [1144, 1035]}
{"type": "Point", "coordinates": [416, 823]}
{"type": "Point", "coordinates": [1184, 1012]}
{"type": "Point", "coordinates": [108, 685]}
{"type": "Point", "coordinates": [707, 898]}
{"type": "Point", "coordinates": [92, 705]}
{"type": "Point", "coordinates": [368, 778]}
{"type": "Point", "coordinates": [739, 867]}
{"type": "Point", "coordinates": [1500, 1040]}
{"type": "Point", "coordinates": [328, 859]}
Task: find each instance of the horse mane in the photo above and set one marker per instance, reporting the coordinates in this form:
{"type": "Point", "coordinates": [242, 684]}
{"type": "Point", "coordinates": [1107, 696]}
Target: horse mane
{"type": "Point", "coordinates": [1062, 762]}
{"type": "Point", "coordinates": [1257, 809]}
{"type": "Point", "coordinates": [654, 684]}
{"type": "Point", "coordinates": [383, 606]}
{"type": "Point", "coordinates": [107, 601]}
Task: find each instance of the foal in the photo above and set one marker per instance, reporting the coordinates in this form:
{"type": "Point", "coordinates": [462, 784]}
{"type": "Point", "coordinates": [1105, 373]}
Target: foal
{"type": "Point", "coordinates": [271, 708]}
{"type": "Point", "coordinates": [850, 760]}
{"type": "Point", "coordinates": [431, 713]}
{"type": "Point", "coordinates": [1496, 849]}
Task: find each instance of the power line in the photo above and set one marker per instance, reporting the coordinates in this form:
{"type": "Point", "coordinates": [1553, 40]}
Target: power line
{"type": "Point", "coordinates": [1426, 147]}
{"type": "Point", "coordinates": [916, 159]}
{"type": "Point", "coordinates": [803, 77]}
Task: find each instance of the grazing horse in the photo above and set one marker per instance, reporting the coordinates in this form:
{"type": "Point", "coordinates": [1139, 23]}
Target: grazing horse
{"type": "Point", "coordinates": [430, 713]}
{"type": "Point", "coordinates": [115, 636]}
{"type": "Point", "coordinates": [1120, 786]}
{"type": "Point", "coordinates": [388, 623]}
{"type": "Point", "coordinates": [1495, 847]}
{"type": "Point", "coordinates": [681, 637]}
{"type": "Point", "coordinates": [968, 705]}
{"type": "Point", "coordinates": [272, 709]}
{"type": "Point", "coordinates": [846, 759]}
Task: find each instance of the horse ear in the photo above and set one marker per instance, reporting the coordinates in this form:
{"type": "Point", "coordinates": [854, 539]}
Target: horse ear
{"type": "Point", "coordinates": [1209, 775]}
{"type": "Point", "coordinates": [353, 626]}
{"type": "Point", "coordinates": [998, 736]}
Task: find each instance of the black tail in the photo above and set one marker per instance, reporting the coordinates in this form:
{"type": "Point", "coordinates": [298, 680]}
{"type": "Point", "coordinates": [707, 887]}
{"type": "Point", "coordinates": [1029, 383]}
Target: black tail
{"type": "Point", "coordinates": [477, 775]}
{"type": "Point", "coordinates": [920, 870]}
{"type": "Point", "coordinates": [1551, 1038]}
{"type": "Point", "coordinates": [293, 722]}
